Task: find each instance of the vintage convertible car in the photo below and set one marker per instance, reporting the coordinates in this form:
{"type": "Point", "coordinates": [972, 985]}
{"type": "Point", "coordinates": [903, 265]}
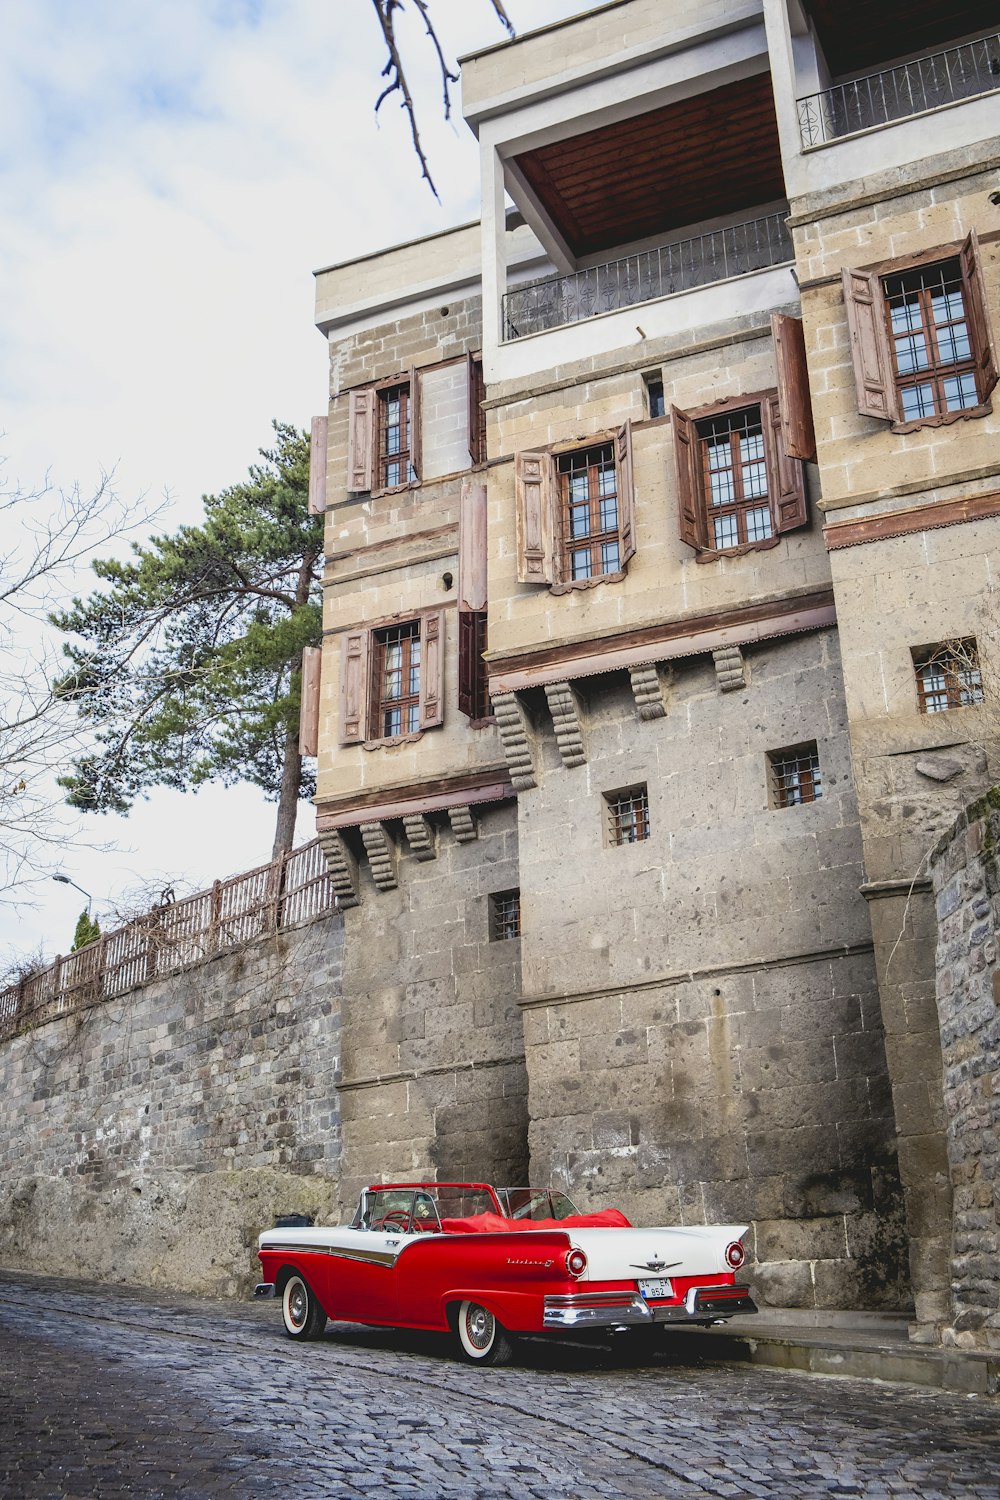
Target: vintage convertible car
{"type": "Point", "coordinates": [490, 1262]}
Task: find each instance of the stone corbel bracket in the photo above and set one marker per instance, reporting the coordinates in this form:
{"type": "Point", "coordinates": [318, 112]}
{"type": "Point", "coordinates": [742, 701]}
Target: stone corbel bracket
{"type": "Point", "coordinates": [343, 868]}
{"type": "Point", "coordinates": [565, 710]}
{"type": "Point", "coordinates": [381, 855]}
{"type": "Point", "coordinates": [420, 836]}
{"type": "Point", "coordinates": [513, 728]}
{"type": "Point", "coordinates": [463, 824]}
{"type": "Point", "coordinates": [648, 691]}
{"type": "Point", "coordinates": [730, 669]}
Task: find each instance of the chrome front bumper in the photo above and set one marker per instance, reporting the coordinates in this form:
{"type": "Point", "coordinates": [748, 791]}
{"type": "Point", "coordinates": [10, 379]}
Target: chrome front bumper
{"type": "Point", "coordinates": [264, 1289]}
{"type": "Point", "coordinates": [702, 1304]}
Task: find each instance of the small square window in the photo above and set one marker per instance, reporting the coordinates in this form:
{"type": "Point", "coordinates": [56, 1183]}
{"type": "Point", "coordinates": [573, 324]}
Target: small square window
{"type": "Point", "coordinates": [654, 396]}
{"type": "Point", "coordinates": [505, 915]}
{"type": "Point", "coordinates": [948, 676]}
{"type": "Point", "coordinates": [627, 814]}
{"type": "Point", "coordinates": [794, 775]}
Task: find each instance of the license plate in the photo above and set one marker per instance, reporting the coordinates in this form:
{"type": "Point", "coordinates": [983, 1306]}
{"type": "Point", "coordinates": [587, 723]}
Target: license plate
{"type": "Point", "coordinates": [660, 1287]}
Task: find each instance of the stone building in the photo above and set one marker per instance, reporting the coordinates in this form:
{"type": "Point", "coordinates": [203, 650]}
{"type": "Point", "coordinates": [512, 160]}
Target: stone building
{"type": "Point", "coordinates": [661, 513]}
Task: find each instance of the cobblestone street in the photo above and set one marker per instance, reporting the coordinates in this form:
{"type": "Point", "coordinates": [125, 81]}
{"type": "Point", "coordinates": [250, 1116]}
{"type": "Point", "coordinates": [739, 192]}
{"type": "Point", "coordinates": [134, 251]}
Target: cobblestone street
{"type": "Point", "coordinates": [109, 1393]}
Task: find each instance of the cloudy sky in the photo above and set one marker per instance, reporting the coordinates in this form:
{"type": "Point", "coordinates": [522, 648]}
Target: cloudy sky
{"type": "Point", "coordinates": [171, 175]}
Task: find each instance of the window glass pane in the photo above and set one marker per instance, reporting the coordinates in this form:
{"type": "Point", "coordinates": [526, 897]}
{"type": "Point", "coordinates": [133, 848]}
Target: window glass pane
{"type": "Point", "coordinates": [960, 392]}
{"type": "Point", "coordinates": [609, 514]}
{"type": "Point", "coordinates": [953, 343]}
{"type": "Point", "coordinates": [726, 534]}
{"type": "Point", "coordinates": [918, 401]}
{"type": "Point", "coordinates": [722, 487]}
{"type": "Point", "coordinates": [581, 563]}
{"type": "Point", "coordinates": [758, 524]}
{"type": "Point", "coordinates": [579, 521]}
{"type": "Point", "coordinates": [609, 557]}
{"type": "Point", "coordinates": [911, 354]}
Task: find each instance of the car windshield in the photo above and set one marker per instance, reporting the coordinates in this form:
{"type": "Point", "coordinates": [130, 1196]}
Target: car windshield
{"type": "Point", "coordinates": [419, 1208]}
{"type": "Point", "coordinates": [535, 1203]}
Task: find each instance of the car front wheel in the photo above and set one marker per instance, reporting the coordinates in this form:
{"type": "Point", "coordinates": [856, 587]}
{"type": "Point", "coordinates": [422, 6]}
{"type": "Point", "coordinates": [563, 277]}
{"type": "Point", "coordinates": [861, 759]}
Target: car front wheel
{"type": "Point", "coordinates": [483, 1340]}
{"type": "Point", "coordinates": [302, 1314]}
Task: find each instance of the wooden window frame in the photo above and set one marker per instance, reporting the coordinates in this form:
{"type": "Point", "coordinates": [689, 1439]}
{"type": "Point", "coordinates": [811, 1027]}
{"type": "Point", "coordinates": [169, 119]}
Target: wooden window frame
{"type": "Point", "coordinates": [786, 486]}
{"type": "Point", "coordinates": [957, 662]}
{"type": "Point", "coordinates": [877, 380]}
{"type": "Point", "coordinates": [366, 426]}
{"type": "Point", "coordinates": [781, 792]}
{"type": "Point", "coordinates": [359, 697]}
{"type": "Point", "coordinates": [543, 543]}
{"type": "Point", "coordinates": [409, 457]}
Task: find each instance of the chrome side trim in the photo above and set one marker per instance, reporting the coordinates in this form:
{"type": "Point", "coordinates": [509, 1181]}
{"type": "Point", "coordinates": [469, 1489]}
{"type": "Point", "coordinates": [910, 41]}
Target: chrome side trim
{"type": "Point", "coordinates": [370, 1257]}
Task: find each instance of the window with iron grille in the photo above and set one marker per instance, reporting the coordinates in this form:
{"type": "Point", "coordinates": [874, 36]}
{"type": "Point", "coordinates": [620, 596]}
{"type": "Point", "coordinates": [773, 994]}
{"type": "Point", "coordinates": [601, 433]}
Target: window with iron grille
{"type": "Point", "coordinates": [928, 320]}
{"type": "Point", "coordinates": [735, 481]}
{"type": "Point", "coordinates": [627, 814]}
{"type": "Point", "coordinates": [794, 775]}
{"type": "Point", "coordinates": [396, 681]}
{"type": "Point", "coordinates": [393, 437]}
{"type": "Point", "coordinates": [588, 486]}
{"type": "Point", "coordinates": [948, 676]}
{"type": "Point", "coordinates": [505, 915]}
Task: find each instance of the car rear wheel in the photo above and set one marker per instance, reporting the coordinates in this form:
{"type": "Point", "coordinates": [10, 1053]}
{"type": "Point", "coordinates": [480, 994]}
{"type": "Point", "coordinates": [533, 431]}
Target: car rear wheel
{"type": "Point", "coordinates": [302, 1314]}
{"type": "Point", "coordinates": [483, 1340]}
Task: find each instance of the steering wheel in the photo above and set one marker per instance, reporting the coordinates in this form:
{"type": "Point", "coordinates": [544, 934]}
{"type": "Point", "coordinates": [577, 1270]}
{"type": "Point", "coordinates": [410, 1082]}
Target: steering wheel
{"type": "Point", "coordinates": [396, 1218]}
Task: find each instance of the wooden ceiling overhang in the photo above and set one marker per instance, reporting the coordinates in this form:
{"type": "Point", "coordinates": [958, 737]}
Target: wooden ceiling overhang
{"type": "Point", "coordinates": [857, 36]}
{"type": "Point", "coordinates": [699, 158]}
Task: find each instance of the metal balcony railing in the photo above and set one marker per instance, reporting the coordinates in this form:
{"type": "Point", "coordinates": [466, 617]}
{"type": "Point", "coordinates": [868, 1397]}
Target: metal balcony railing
{"type": "Point", "coordinates": [716, 255]}
{"type": "Point", "coordinates": [908, 89]}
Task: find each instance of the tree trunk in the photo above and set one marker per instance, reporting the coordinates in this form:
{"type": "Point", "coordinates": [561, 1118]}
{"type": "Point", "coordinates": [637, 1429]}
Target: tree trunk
{"type": "Point", "coordinates": [288, 795]}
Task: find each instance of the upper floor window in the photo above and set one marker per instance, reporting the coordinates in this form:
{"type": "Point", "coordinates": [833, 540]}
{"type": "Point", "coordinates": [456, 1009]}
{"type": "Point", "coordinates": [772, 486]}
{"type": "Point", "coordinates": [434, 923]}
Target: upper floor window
{"type": "Point", "coordinates": [392, 679]}
{"type": "Point", "coordinates": [948, 676]}
{"type": "Point", "coordinates": [422, 425]}
{"type": "Point", "coordinates": [394, 425]}
{"type": "Point", "coordinates": [921, 340]}
{"type": "Point", "coordinates": [575, 513]}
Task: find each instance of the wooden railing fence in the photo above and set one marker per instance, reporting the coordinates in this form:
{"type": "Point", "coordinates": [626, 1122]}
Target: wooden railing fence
{"type": "Point", "coordinates": [289, 890]}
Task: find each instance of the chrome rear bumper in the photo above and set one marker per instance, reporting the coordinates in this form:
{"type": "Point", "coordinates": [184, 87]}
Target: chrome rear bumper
{"type": "Point", "coordinates": [702, 1304]}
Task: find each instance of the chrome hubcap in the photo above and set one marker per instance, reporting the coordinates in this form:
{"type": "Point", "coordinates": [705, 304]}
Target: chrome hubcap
{"type": "Point", "coordinates": [479, 1326]}
{"type": "Point", "coordinates": [297, 1305]}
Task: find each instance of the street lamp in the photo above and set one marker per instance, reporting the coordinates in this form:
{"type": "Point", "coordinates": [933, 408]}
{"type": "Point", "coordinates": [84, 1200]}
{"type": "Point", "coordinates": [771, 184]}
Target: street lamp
{"type": "Point", "coordinates": [65, 880]}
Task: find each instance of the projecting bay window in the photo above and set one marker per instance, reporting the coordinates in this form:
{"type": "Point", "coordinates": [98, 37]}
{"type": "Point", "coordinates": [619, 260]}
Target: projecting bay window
{"type": "Point", "coordinates": [921, 340]}
{"type": "Point", "coordinates": [739, 462]}
{"type": "Point", "coordinates": [575, 513]}
{"type": "Point", "coordinates": [391, 679]}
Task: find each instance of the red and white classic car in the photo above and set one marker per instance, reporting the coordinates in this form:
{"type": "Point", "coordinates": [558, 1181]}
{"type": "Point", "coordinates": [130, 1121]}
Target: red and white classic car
{"type": "Point", "coordinates": [490, 1262]}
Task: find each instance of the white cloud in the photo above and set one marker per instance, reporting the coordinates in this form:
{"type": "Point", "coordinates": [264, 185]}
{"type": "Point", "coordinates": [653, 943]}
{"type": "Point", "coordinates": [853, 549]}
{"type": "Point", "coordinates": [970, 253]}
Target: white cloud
{"type": "Point", "coordinates": [172, 175]}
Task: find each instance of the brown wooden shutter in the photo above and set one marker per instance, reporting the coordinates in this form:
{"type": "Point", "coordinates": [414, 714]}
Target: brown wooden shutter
{"type": "Point", "coordinates": [416, 429]}
{"type": "Point", "coordinates": [979, 318]}
{"type": "Point", "coordinates": [799, 438]}
{"type": "Point", "coordinates": [786, 480]}
{"type": "Point", "coordinates": [476, 392]}
{"type": "Point", "coordinates": [534, 492]}
{"type": "Point", "coordinates": [690, 502]}
{"type": "Point", "coordinates": [361, 440]}
{"type": "Point", "coordinates": [469, 661]}
{"type": "Point", "coordinates": [626, 493]}
{"type": "Point", "coordinates": [472, 546]}
{"type": "Point", "coordinates": [317, 466]}
{"type": "Point", "coordinates": [312, 657]}
{"type": "Point", "coordinates": [864, 301]}
{"type": "Point", "coordinates": [354, 653]}
{"type": "Point", "coordinates": [432, 669]}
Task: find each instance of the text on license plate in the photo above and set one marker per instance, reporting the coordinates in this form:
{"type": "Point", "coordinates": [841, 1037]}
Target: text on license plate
{"type": "Point", "coordinates": [659, 1287]}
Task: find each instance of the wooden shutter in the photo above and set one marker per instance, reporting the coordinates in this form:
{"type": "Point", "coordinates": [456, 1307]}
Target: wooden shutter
{"type": "Point", "coordinates": [864, 301]}
{"type": "Point", "coordinates": [534, 494]}
{"type": "Point", "coordinates": [786, 480]}
{"type": "Point", "coordinates": [626, 493]}
{"type": "Point", "coordinates": [690, 502]}
{"type": "Point", "coordinates": [317, 466]}
{"type": "Point", "coordinates": [432, 669]}
{"type": "Point", "coordinates": [361, 440]}
{"type": "Point", "coordinates": [470, 663]}
{"type": "Point", "coordinates": [979, 318]}
{"type": "Point", "coordinates": [798, 436]}
{"type": "Point", "coordinates": [416, 428]}
{"type": "Point", "coordinates": [472, 546]}
{"type": "Point", "coordinates": [476, 393]}
{"type": "Point", "coordinates": [354, 653]}
{"type": "Point", "coordinates": [312, 657]}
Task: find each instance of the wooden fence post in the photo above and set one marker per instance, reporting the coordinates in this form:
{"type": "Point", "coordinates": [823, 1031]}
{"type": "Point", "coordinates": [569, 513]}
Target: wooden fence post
{"type": "Point", "coordinates": [215, 916]}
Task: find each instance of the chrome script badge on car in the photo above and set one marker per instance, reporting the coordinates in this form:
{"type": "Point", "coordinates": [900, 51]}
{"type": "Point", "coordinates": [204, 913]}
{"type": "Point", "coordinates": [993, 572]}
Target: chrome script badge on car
{"type": "Point", "coordinates": [654, 1265]}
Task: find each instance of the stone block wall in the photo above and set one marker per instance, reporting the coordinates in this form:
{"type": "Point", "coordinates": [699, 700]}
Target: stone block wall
{"type": "Point", "coordinates": [966, 871]}
{"type": "Point", "coordinates": [150, 1138]}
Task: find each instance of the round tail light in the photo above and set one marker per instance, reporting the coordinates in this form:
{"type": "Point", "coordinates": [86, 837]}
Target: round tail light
{"type": "Point", "coordinates": [735, 1255]}
{"type": "Point", "coordinates": [576, 1262]}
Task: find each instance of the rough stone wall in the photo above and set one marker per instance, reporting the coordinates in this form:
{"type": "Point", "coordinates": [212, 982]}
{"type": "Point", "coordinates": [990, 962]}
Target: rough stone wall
{"type": "Point", "coordinates": [150, 1138]}
{"type": "Point", "coordinates": [433, 1063]}
{"type": "Point", "coordinates": [702, 1023]}
{"type": "Point", "coordinates": [966, 867]}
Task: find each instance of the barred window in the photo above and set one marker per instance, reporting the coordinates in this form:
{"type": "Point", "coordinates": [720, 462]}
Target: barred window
{"type": "Point", "coordinates": [935, 364]}
{"type": "Point", "coordinates": [627, 814]}
{"type": "Point", "coordinates": [589, 488]}
{"type": "Point", "coordinates": [735, 478]}
{"type": "Point", "coordinates": [505, 915]}
{"type": "Point", "coordinates": [396, 684]}
{"type": "Point", "coordinates": [794, 775]}
{"type": "Point", "coordinates": [948, 676]}
{"type": "Point", "coordinates": [394, 437]}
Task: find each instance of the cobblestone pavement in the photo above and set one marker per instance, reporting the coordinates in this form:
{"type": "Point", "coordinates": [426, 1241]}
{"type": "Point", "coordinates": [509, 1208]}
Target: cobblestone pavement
{"type": "Point", "coordinates": [107, 1394]}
